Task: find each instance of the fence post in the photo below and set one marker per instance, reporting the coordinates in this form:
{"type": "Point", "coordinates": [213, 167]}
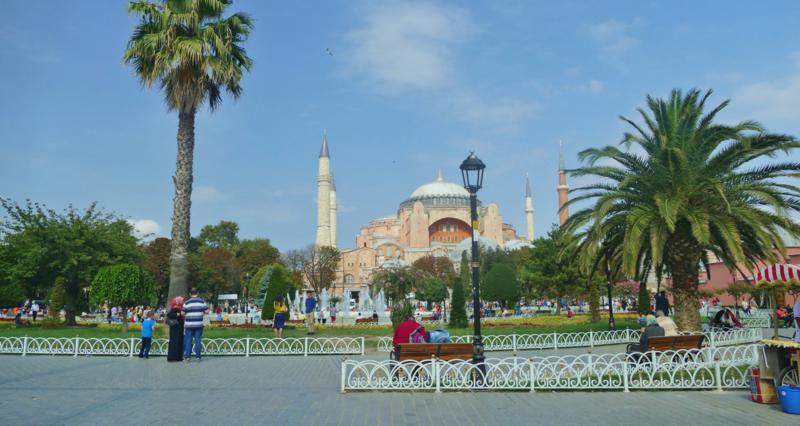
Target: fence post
{"type": "Point", "coordinates": [77, 346]}
{"type": "Point", "coordinates": [717, 372]}
{"type": "Point", "coordinates": [305, 346]}
{"type": "Point", "coordinates": [24, 345]}
{"type": "Point", "coordinates": [711, 338]}
{"type": "Point", "coordinates": [625, 376]}
{"type": "Point", "coordinates": [363, 345]}
{"type": "Point", "coordinates": [532, 378]}
{"type": "Point", "coordinates": [344, 374]}
{"type": "Point", "coordinates": [555, 340]}
{"type": "Point", "coordinates": [247, 347]}
{"type": "Point", "coordinates": [133, 346]}
{"type": "Point", "coordinates": [514, 344]}
{"type": "Point", "coordinates": [591, 338]}
{"type": "Point", "coordinates": [435, 370]}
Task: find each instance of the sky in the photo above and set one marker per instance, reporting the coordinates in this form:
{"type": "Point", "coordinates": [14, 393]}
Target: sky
{"type": "Point", "coordinates": [403, 89]}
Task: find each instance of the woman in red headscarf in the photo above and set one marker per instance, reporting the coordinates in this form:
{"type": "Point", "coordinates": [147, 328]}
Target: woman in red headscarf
{"type": "Point", "coordinates": [175, 323]}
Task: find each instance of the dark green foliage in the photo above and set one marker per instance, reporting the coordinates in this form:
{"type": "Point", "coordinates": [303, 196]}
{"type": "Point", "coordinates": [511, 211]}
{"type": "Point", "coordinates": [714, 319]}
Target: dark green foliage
{"type": "Point", "coordinates": [57, 296]}
{"type": "Point", "coordinates": [11, 295]}
{"type": "Point", "coordinates": [225, 235]}
{"type": "Point", "coordinates": [72, 244]}
{"type": "Point", "coordinates": [551, 273]}
{"type": "Point", "coordinates": [458, 310]}
{"type": "Point", "coordinates": [123, 285]}
{"type": "Point", "coordinates": [643, 301]}
{"type": "Point", "coordinates": [279, 282]}
{"type": "Point", "coordinates": [501, 285]}
{"type": "Point", "coordinates": [431, 290]}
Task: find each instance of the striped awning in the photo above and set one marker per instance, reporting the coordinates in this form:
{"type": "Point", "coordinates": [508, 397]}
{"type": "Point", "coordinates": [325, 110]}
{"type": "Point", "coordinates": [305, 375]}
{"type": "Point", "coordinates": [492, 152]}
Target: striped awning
{"type": "Point", "coordinates": [779, 272]}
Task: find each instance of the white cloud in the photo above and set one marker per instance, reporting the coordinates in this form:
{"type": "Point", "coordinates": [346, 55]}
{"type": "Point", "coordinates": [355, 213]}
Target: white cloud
{"type": "Point", "coordinates": [407, 46]}
{"type": "Point", "coordinates": [145, 228]}
{"type": "Point", "coordinates": [772, 99]}
{"type": "Point", "coordinates": [206, 194]}
{"type": "Point", "coordinates": [613, 36]}
{"type": "Point", "coordinates": [504, 114]}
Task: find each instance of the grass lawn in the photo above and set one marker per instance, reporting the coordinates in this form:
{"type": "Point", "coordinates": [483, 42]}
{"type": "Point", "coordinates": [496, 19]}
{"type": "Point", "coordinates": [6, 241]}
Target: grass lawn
{"type": "Point", "coordinates": [537, 325]}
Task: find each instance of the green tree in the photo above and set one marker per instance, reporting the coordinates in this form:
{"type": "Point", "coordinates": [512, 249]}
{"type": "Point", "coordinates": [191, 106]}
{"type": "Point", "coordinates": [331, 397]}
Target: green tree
{"type": "Point", "coordinates": [501, 285]}
{"type": "Point", "coordinates": [224, 235]}
{"type": "Point", "coordinates": [436, 266]}
{"type": "Point", "coordinates": [254, 255]}
{"type": "Point", "coordinates": [156, 262]}
{"type": "Point", "coordinates": [218, 272]}
{"type": "Point", "coordinates": [397, 285]}
{"type": "Point", "coordinates": [72, 244]}
{"type": "Point", "coordinates": [57, 297]}
{"type": "Point", "coordinates": [458, 310]}
{"type": "Point", "coordinates": [692, 187]}
{"type": "Point", "coordinates": [551, 270]}
{"type": "Point", "coordinates": [123, 285]}
{"type": "Point", "coordinates": [11, 295]}
{"type": "Point", "coordinates": [277, 281]}
{"type": "Point", "coordinates": [431, 290]}
{"type": "Point", "coordinates": [643, 300]}
{"type": "Point", "coordinates": [194, 54]}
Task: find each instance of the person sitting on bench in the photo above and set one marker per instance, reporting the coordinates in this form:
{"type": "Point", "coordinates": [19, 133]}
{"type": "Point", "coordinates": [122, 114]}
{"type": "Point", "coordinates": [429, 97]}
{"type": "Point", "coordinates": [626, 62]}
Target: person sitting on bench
{"type": "Point", "coordinates": [406, 332]}
{"type": "Point", "coordinates": [650, 329]}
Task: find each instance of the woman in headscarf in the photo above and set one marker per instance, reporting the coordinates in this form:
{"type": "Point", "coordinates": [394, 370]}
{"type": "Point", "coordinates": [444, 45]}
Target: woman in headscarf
{"type": "Point", "coordinates": [175, 323]}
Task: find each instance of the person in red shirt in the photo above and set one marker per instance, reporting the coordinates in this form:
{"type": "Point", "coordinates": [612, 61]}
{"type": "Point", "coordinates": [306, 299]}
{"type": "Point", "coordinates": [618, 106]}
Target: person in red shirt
{"type": "Point", "coordinates": [403, 331]}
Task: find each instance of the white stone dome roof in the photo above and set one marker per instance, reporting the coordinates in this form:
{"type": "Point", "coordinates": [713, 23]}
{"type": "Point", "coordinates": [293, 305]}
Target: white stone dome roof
{"type": "Point", "coordinates": [439, 188]}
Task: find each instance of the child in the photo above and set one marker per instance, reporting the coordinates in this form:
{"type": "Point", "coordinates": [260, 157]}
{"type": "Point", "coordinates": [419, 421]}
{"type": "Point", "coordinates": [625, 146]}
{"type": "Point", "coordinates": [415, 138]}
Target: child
{"type": "Point", "coordinates": [279, 317]}
{"type": "Point", "coordinates": [147, 335]}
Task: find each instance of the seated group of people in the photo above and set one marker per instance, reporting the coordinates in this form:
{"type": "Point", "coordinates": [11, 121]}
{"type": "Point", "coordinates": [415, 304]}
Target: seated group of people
{"type": "Point", "coordinates": [659, 325]}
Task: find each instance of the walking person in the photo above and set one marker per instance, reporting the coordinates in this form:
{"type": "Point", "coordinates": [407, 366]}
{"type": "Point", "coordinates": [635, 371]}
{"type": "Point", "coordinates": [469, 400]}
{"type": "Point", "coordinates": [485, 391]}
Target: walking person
{"type": "Point", "coordinates": [311, 305]}
{"type": "Point", "coordinates": [279, 318]}
{"type": "Point", "coordinates": [193, 309]}
{"type": "Point", "coordinates": [662, 303]}
{"type": "Point", "coordinates": [34, 310]}
{"type": "Point", "coordinates": [147, 335]}
{"type": "Point", "coordinates": [175, 324]}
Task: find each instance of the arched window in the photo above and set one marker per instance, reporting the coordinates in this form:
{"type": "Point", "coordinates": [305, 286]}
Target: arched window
{"type": "Point", "coordinates": [348, 279]}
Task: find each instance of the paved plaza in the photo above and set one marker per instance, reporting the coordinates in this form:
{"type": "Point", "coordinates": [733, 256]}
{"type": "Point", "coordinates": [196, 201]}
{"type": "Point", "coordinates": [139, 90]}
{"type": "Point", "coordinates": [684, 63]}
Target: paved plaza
{"type": "Point", "coordinates": [294, 390]}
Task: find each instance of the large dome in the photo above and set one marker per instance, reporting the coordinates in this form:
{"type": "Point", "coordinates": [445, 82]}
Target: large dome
{"type": "Point", "coordinates": [439, 194]}
{"type": "Point", "coordinates": [440, 188]}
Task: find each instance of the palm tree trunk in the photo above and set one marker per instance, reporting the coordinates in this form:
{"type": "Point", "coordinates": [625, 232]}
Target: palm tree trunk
{"type": "Point", "coordinates": [181, 208]}
{"type": "Point", "coordinates": [684, 263]}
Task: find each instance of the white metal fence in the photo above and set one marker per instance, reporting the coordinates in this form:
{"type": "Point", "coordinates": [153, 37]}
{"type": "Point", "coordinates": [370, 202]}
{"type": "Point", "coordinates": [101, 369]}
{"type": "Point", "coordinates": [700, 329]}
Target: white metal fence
{"type": "Point", "coordinates": [708, 368]}
{"type": "Point", "coordinates": [245, 346]}
{"type": "Point", "coordinates": [515, 342]}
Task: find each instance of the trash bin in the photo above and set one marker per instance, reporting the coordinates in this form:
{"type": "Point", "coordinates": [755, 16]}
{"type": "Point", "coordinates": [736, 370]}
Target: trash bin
{"type": "Point", "coordinates": [790, 399]}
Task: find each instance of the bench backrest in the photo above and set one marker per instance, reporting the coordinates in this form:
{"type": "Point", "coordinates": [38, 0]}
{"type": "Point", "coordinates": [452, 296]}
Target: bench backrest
{"type": "Point", "coordinates": [422, 351]}
{"type": "Point", "coordinates": [669, 343]}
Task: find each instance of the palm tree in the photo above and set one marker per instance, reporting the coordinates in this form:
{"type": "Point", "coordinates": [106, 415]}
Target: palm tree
{"type": "Point", "coordinates": [193, 53]}
{"type": "Point", "coordinates": [691, 188]}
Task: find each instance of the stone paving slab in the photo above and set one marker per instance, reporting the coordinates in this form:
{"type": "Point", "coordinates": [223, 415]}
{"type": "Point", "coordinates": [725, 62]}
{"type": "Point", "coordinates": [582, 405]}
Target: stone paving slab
{"type": "Point", "coordinates": [305, 391]}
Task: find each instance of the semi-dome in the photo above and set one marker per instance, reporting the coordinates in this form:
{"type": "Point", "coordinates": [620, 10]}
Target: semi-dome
{"type": "Point", "coordinates": [439, 194]}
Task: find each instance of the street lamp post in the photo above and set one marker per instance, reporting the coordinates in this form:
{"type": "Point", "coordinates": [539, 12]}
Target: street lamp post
{"type": "Point", "coordinates": [472, 174]}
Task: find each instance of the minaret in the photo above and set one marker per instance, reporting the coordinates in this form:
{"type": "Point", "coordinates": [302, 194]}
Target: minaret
{"type": "Point", "coordinates": [563, 188]}
{"type": "Point", "coordinates": [528, 207]}
{"type": "Point", "coordinates": [333, 212]}
{"type": "Point", "coordinates": [324, 195]}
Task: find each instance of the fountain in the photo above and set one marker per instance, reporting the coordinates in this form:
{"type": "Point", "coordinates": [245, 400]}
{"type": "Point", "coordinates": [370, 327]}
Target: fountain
{"type": "Point", "coordinates": [323, 298]}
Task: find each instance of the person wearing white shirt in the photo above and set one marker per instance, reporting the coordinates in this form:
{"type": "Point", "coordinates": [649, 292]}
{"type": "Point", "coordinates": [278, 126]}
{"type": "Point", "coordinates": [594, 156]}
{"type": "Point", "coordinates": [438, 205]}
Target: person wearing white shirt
{"type": "Point", "coordinates": [34, 310]}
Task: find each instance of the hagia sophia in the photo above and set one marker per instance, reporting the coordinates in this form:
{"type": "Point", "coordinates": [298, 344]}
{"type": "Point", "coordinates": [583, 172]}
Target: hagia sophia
{"type": "Point", "coordinates": [433, 220]}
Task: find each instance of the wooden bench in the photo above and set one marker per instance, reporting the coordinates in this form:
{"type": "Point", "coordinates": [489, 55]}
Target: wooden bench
{"type": "Point", "coordinates": [424, 351]}
{"type": "Point", "coordinates": [295, 321]}
{"type": "Point", "coordinates": [366, 321]}
{"type": "Point", "coordinates": [671, 343]}
{"type": "Point", "coordinates": [221, 323]}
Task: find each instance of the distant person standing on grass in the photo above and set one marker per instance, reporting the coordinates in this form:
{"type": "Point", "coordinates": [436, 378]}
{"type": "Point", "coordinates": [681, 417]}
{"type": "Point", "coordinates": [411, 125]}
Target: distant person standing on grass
{"type": "Point", "coordinates": [34, 310]}
{"type": "Point", "coordinates": [194, 309]}
{"type": "Point", "coordinates": [147, 334]}
{"type": "Point", "coordinates": [311, 304]}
